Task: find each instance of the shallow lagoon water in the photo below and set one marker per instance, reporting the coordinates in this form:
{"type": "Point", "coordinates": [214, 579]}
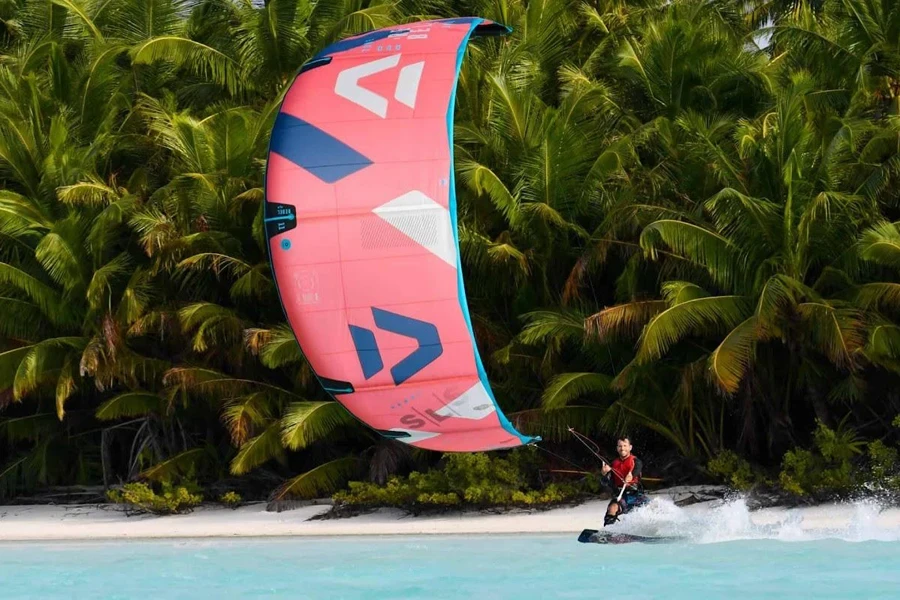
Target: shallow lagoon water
{"type": "Point", "coordinates": [724, 555]}
{"type": "Point", "coordinates": [439, 567]}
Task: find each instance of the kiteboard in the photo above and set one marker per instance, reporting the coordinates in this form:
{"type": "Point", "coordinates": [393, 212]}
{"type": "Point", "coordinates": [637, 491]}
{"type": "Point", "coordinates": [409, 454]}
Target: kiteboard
{"type": "Point", "coordinates": [593, 536]}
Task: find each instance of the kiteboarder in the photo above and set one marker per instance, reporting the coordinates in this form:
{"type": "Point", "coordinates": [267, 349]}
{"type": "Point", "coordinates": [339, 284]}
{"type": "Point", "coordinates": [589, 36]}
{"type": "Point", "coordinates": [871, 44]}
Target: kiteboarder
{"type": "Point", "coordinates": [623, 478]}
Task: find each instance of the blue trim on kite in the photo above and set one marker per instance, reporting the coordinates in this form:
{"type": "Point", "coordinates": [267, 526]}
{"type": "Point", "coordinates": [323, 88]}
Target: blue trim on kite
{"type": "Point", "coordinates": [313, 63]}
{"type": "Point", "coordinates": [482, 375]}
{"type": "Point", "coordinates": [357, 41]}
{"type": "Point", "coordinates": [282, 218]}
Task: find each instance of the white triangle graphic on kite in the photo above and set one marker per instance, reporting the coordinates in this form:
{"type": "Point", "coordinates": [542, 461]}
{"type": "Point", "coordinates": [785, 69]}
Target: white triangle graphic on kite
{"type": "Point", "coordinates": [407, 88]}
{"type": "Point", "coordinates": [424, 221]}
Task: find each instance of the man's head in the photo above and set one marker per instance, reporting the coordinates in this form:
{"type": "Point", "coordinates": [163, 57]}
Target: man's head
{"type": "Point", "coordinates": [623, 446]}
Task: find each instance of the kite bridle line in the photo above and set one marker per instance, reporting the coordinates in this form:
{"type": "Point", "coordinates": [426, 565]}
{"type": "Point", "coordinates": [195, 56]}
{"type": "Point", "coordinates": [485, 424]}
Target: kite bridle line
{"type": "Point", "coordinates": [595, 450]}
{"type": "Point", "coordinates": [589, 444]}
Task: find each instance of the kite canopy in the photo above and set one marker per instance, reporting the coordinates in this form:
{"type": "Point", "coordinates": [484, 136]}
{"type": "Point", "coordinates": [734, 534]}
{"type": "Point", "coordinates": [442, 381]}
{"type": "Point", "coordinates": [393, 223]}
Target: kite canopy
{"type": "Point", "coordinates": [361, 224]}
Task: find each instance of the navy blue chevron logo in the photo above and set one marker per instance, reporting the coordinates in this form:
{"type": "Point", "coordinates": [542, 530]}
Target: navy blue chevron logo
{"type": "Point", "coordinates": [425, 333]}
{"type": "Point", "coordinates": [320, 153]}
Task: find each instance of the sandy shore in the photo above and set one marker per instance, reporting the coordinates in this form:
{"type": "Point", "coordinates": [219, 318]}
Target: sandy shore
{"type": "Point", "coordinates": [91, 522]}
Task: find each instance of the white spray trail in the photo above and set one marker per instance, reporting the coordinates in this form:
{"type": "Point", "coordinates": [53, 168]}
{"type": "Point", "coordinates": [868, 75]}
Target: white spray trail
{"type": "Point", "coordinates": [728, 520]}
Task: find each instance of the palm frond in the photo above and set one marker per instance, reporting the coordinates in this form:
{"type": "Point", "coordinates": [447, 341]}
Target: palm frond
{"type": "Point", "coordinates": [42, 363]}
{"type": "Point", "coordinates": [754, 221]}
{"type": "Point", "coordinates": [482, 180]}
{"type": "Point", "coordinates": [489, 257]}
{"type": "Point", "coordinates": [211, 324]}
{"type": "Point", "coordinates": [62, 259]}
{"type": "Point", "coordinates": [9, 365]}
{"type": "Point", "coordinates": [258, 450]}
{"type": "Point", "coordinates": [255, 284]}
{"type": "Point", "coordinates": [39, 292]}
{"type": "Point", "coordinates": [180, 464]}
{"type": "Point", "coordinates": [202, 60]}
{"type": "Point", "coordinates": [881, 244]}
{"type": "Point", "coordinates": [100, 289]}
{"type": "Point", "coordinates": [16, 207]}
{"type": "Point", "coordinates": [880, 296]}
{"type": "Point", "coordinates": [730, 360]}
{"type": "Point", "coordinates": [244, 415]}
{"type": "Point", "coordinates": [837, 332]}
{"type": "Point", "coordinates": [22, 319]}
{"type": "Point", "coordinates": [779, 295]}
{"type": "Point", "coordinates": [623, 320]}
{"type": "Point", "coordinates": [702, 316]}
{"type": "Point", "coordinates": [136, 298]}
{"type": "Point", "coordinates": [552, 327]}
{"type": "Point", "coordinates": [883, 346]}
{"type": "Point", "coordinates": [701, 246]}
{"type": "Point", "coordinates": [304, 423]}
{"type": "Point", "coordinates": [676, 292]}
{"type": "Point", "coordinates": [88, 193]}
{"type": "Point", "coordinates": [215, 385]}
{"type": "Point", "coordinates": [65, 384]}
{"type": "Point", "coordinates": [327, 478]}
{"type": "Point", "coordinates": [276, 347]}
{"type": "Point", "coordinates": [566, 387]}
{"type": "Point", "coordinates": [130, 404]}
{"type": "Point", "coordinates": [553, 425]}
{"type": "Point", "coordinates": [217, 263]}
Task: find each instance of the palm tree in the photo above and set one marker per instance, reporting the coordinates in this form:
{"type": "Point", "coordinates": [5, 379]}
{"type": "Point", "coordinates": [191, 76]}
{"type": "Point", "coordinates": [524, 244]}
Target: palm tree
{"type": "Point", "coordinates": [768, 266]}
{"type": "Point", "coordinates": [69, 282]}
{"type": "Point", "coordinates": [851, 47]}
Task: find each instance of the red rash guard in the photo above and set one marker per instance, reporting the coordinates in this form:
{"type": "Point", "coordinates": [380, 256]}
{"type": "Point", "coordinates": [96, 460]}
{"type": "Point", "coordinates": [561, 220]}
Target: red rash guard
{"type": "Point", "coordinates": [622, 467]}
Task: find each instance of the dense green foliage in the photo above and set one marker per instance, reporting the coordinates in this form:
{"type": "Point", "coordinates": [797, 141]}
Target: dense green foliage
{"type": "Point", "coordinates": [679, 218]}
{"type": "Point", "coordinates": [830, 467]}
{"type": "Point", "coordinates": [475, 480]}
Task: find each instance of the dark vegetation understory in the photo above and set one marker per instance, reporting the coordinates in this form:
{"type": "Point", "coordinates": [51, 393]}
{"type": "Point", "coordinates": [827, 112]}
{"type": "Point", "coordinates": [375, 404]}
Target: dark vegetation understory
{"type": "Point", "coordinates": [677, 219]}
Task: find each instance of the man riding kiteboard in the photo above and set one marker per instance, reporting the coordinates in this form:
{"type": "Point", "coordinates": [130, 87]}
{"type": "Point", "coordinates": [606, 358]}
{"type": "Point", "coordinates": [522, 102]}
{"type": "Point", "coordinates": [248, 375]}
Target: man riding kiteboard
{"type": "Point", "coordinates": [623, 479]}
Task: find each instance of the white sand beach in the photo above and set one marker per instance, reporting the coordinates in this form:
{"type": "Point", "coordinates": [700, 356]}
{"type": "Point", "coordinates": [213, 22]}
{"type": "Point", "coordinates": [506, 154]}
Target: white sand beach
{"type": "Point", "coordinates": [710, 520]}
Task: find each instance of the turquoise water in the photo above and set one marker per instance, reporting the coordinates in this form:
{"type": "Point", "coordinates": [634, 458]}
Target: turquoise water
{"type": "Point", "coordinates": [447, 567]}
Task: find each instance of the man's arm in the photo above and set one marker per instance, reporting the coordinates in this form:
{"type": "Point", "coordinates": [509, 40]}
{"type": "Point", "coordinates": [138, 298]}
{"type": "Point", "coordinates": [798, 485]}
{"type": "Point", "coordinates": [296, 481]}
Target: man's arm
{"type": "Point", "coordinates": [636, 471]}
{"type": "Point", "coordinates": [607, 474]}
{"type": "Point", "coordinates": [635, 474]}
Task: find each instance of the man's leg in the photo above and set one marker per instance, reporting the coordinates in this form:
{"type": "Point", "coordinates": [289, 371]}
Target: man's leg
{"type": "Point", "coordinates": [612, 512]}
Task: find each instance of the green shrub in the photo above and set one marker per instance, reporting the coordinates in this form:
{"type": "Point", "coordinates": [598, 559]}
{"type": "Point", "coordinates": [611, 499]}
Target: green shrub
{"type": "Point", "coordinates": [885, 466]}
{"type": "Point", "coordinates": [734, 470]}
{"type": "Point", "coordinates": [141, 498]}
{"type": "Point", "coordinates": [231, 499]}
{"type": "Point", "coordinates": [825, 471]}
{"type": "Point", "coordinates": [468, 479]}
